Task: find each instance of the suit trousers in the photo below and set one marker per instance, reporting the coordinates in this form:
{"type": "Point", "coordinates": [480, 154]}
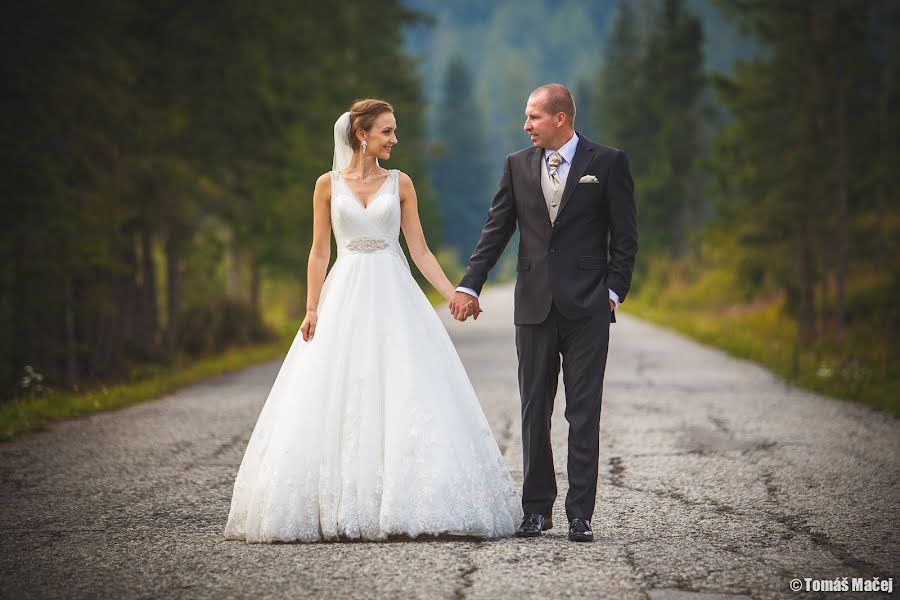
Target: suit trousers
{"type": "Point", "coordinates": [582, 344]}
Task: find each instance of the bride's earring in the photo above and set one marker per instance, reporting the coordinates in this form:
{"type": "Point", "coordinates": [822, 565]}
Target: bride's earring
{"type": "Point", "coordinates": [364, 145]}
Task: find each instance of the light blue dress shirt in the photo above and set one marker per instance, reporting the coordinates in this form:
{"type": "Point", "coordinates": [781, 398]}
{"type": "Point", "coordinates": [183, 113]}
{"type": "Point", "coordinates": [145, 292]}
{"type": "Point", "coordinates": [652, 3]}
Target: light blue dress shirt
{"type": "Point", "coordinates": [567, 151]}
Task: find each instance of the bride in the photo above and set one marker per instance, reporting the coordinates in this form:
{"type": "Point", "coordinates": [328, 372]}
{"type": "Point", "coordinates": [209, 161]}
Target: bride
{"type": "Point", "coordinates": [372, 428]}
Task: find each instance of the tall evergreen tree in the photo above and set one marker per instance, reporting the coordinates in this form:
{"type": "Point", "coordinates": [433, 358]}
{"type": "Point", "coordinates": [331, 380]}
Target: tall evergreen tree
{"type": "Point", "coordinates": [461, 172]}
{"type": "Point", "coordinates": [672, 69]}
{"type": "Point", "coordinates": [650, 102]}
{"type": "Point", "coordinates": [146, 136]}
{"type": "Point", "coordinates": [618, 117]}
{"type": "Point", "coordinates": [801, 120]}
{"type": "Point", "coordinates": [584, 107]}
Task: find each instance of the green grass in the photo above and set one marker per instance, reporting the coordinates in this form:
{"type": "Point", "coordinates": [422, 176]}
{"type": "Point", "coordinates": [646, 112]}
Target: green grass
{"type": "Point", "coordinates": [708, 308]}
{"type": "Point", "coordinates": [35, 413]}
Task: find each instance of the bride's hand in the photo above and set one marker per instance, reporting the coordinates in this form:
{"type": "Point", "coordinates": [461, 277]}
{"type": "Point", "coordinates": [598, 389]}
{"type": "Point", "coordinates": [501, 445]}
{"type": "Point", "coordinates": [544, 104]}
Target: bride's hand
{"type": "Point", "coordinates": [308, 328]}
{"type": "Point", "coordinates": [463, 306]}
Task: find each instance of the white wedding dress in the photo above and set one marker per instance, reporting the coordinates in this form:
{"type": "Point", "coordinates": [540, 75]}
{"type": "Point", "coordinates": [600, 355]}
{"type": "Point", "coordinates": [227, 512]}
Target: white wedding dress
{"type": "Point", "coordinates": [371, 429]}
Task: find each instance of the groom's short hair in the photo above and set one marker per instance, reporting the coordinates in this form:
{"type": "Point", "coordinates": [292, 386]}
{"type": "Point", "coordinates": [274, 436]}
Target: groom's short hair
{"type": "Point", "coordinates": [558, 99]}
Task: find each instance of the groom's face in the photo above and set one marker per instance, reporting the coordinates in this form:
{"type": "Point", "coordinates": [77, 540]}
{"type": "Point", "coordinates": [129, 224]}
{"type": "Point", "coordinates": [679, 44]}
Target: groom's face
{"type": "Point", "coordinates": [540, 125]}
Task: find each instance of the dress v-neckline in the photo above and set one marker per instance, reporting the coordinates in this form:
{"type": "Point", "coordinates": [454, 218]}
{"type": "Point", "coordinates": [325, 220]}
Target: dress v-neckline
{"type": "Point", "coordinates": [371, 197]}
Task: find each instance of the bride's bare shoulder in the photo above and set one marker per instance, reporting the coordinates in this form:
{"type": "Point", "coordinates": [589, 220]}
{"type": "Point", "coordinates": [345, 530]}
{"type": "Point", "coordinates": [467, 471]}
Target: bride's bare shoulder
{"type": "Point", "coordinates": [323, 183]}
{"type": "Point", "coordinates": [404, 179]}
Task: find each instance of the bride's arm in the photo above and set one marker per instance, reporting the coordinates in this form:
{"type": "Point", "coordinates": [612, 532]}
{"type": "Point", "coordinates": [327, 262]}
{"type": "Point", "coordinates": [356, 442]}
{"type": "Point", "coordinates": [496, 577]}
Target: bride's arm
{"type": "Point", "coordinates": [415, 239]}
{"type": "Point", "coordinates": [319, 254]}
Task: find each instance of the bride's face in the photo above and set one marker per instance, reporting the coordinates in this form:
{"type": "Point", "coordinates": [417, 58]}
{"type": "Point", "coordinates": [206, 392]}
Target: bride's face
{"type": "Point", "coordinates": [382, 137]}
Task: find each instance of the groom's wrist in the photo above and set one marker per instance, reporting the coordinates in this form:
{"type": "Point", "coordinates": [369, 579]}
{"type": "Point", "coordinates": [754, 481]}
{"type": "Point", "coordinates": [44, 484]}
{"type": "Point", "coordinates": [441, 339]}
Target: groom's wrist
{"type": "Point", "coordinates": [468, 291]}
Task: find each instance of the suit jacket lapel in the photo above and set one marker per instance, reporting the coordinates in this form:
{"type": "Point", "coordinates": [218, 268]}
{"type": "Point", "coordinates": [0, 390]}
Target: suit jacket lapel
{"type": "Point", "coordinates": [584, 152]}
{"type": "Point", "coordinates": [534, 179]}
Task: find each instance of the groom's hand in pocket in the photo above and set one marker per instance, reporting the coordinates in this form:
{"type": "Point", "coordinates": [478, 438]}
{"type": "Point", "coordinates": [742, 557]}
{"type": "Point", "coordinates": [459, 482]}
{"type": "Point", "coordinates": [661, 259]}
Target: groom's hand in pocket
{"type": "Point", "coordinates": [463, 306]}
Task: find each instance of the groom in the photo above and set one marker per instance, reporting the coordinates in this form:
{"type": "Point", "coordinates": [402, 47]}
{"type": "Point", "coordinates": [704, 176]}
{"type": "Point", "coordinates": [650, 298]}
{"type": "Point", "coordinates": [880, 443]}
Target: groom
{"type": "Point", "coordinates": [571, 199]}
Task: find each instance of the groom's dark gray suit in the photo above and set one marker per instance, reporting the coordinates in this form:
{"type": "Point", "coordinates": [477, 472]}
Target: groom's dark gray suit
{"type": "Point", "coordinates": [562, 303]}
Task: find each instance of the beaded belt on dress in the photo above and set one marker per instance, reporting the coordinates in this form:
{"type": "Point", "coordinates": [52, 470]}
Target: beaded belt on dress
{"type": "Point", "coordinates": [371, 245]}
{"type": "Point", "coordinates": [368, 245]}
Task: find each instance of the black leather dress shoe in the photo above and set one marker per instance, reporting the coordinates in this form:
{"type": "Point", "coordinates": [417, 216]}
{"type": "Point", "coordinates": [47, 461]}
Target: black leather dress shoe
{"type": "Point", "coordinates": [580, 530]}
{"type": "Point", "coordinates": [533, 524]}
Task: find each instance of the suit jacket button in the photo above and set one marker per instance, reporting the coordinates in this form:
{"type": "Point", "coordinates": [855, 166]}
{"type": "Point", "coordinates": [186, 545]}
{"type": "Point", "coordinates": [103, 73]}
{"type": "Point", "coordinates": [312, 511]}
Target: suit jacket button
{"type": "Point", "coordinates": [552, 250]}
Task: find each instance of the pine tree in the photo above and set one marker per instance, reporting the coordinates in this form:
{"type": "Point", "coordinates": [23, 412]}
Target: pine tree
{"type": "Point", "coordinates": [801, 111]}
{"type": "Point", "coordinates": [672, 70]}
{"type": "Point", "coordinates": [144, 136]}
{"type": "Point", "coordinates": [460, 174]}
{"type": "Point", "coordinates": [618, 116]}
{"type": "Point", "coordinates": [650, 103]}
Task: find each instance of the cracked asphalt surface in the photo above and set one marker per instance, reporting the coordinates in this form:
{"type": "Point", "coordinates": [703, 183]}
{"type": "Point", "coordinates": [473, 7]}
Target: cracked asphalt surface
{"type": "Point", "coordinates": [718, 481]}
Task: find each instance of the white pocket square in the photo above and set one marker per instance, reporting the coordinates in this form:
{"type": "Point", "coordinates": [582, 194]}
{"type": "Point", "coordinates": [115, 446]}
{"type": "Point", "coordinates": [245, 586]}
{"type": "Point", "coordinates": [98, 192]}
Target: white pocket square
{"type": "Point", "coordinates": [588, 179]}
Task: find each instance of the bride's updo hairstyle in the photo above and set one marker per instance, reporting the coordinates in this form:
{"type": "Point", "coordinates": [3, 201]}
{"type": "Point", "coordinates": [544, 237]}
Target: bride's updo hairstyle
{"type": "Point", "coordinates": [362, 116]}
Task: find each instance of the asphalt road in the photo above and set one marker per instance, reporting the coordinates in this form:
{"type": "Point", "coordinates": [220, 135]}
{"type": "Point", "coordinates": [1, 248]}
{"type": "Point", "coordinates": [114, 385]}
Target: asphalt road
{"type": "Point", "coordinates": [717, 480]}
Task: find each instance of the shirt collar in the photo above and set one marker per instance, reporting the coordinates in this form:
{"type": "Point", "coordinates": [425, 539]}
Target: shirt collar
{"type": "Point", "coordinates": [567, 150]}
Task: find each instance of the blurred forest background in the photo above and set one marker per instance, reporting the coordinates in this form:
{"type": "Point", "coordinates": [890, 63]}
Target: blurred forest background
{"type": "Point", "coordinates": [158, 164]}
{"type": "Point", "coordinates": [764, 139]}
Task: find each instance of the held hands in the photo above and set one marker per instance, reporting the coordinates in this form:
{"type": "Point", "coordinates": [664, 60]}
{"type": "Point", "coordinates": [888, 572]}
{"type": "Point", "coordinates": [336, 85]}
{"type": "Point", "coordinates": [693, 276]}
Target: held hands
{"type": "Point", "coordinates": [463, 306]}
{"type": "Point", "coordinates": [308, 328]}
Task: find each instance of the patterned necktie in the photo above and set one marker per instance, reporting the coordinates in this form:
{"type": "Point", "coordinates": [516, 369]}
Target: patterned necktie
{"type": "Point", "coordinates": [555, 160]}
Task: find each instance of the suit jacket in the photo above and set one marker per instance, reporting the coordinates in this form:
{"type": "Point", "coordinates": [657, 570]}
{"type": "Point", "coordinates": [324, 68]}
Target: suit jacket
{"type": "Point", "coordinates": [565, 262]}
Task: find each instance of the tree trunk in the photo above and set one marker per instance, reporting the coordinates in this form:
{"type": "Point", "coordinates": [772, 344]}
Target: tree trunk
{"type": "Point", "coordinates": [150, 319]}
{"type": "Point", "coordinates": [19, 350]}
{"type": "Point", "coordinates": [71, 342]}
{"type": "Point", "coordinates": [100, 348]}
{"type": "Point", "coordinates": [815, 130]}
{"type": "Point", "coordinates": [255, 283]}
{"type": "Point", "coordinates": [232, 281]}
{"type": "Point", "coordinates": [680, 224]}
{"type": "Point", "coordinates": [173, 291]}
{"type": "Point", "coordinates": [132, 307]}
{"type": "Point", "coordinates": [806, 325]}
{"type": "Point", "coordinates": [881, 253]}
{"type": "Point", "coordinates": [825, 299]}
{"type": "Point", "coordinates": [840, 312]}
